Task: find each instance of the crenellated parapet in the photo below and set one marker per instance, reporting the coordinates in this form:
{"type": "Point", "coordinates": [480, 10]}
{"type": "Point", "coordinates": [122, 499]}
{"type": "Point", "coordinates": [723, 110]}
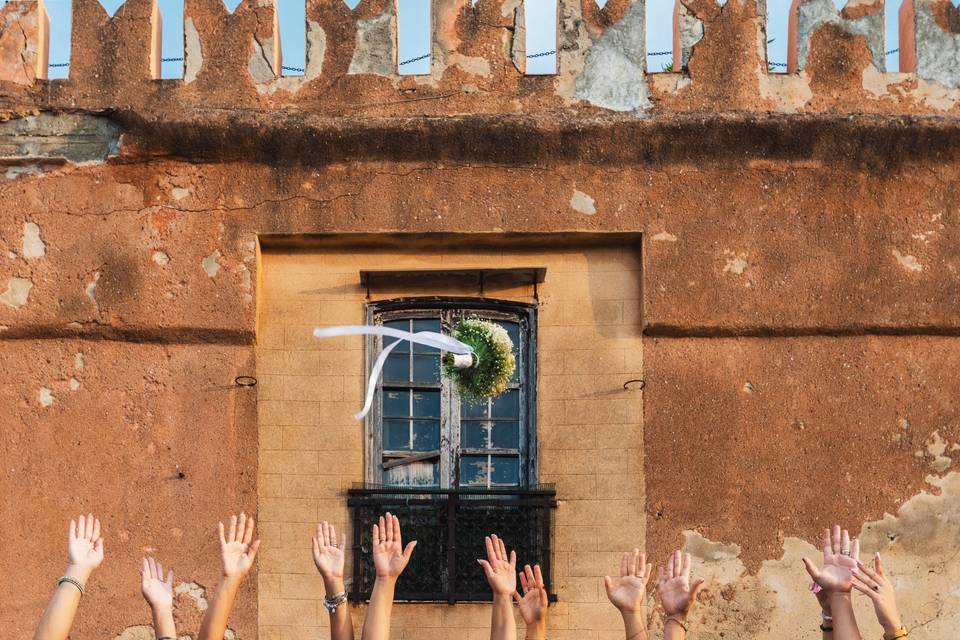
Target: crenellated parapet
{"type": "Point", "coordinates": [391, 58]}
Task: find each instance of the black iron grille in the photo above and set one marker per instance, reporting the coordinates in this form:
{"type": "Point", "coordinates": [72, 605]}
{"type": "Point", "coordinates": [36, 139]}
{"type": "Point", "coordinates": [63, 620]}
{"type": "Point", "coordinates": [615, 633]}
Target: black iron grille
{"type": "Point", "coordinates": [449, 525]}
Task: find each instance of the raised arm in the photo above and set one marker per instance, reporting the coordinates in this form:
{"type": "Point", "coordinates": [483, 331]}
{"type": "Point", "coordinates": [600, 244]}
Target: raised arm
{"type": "Point", "coordinates": [534, 603]}
{"type": "Point", "coordinates": [836, 578]}
{"type": "Point", "coordinates": [238, 550]}
{"type": "Point", "coordinates": [84, 553]}
{"type": "Point", "coordinates": [390, 558]}
{"type": "Point", "coordinates": [501, 572]}
{"type": "Point", "coordinates": [677, 595]}
{"type": "Point", "coordinates": [878, 587]}
{"type": "Point", "coordinates": [159, 595]}
{"type": "Point", "coordinates": [826, 615]}
{"type": "Point", "coordinates": [628, 593]}
{"type": "Point", "coordinates": [330, 558]}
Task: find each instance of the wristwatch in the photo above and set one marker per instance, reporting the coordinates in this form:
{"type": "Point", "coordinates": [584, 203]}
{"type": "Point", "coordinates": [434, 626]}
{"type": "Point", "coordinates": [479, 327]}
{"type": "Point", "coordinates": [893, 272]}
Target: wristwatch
{"type": "Point", "coordinates": [896, 634]}
{"type": "Point", "coordinates": [331, 603]}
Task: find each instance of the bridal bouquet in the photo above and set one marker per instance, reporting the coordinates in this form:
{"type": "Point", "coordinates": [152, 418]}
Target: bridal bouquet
{"type": "Point", "coordinates": [485, 371]}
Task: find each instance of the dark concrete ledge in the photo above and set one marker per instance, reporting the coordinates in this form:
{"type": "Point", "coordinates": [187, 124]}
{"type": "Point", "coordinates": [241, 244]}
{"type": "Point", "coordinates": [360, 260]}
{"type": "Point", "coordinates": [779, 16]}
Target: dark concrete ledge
{"type": "Point", "coordinates": [874, 143]}
{"type": "Point", "coordinates": [146, 335]}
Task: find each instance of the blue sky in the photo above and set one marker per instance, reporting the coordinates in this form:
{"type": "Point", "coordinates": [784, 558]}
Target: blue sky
{"type": "Point", "coordinates": [415, 34]}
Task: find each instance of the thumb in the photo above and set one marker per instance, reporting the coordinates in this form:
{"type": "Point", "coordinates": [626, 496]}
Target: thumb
{"type": "Point", "coordinates": [513, 559]}
{"type": "Point", "coordinates": [408, 551]}
{"type": "Point", "coordinates": [608, 584]}
{"type": "Point", "coordinates": [252, 551]}
{"type": "Point", "coordinates": [517, 598]}
{"type": "Point", "coordinates": [811, 568]}
{"type": "Point", "coordinates": [487, 570]}
{"type": "Point", "coordinates": [695, 589]}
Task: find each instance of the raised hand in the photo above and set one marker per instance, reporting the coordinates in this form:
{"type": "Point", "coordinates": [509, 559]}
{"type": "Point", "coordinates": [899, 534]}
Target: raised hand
{"type": "Point", "coordinates": [238, 550]}
{"type": "Point", "coordinates": [84, 544]}
{"type": "Point", "coordinates": [628, 592]}
{"type": "Point", "coordinates": [677, 595]}
{"type": "Point", "coordinates": [390, 557]}
{"type": "Point", "coordinates": [327, 555]}
{"type": "Point", "coordinates": [839, 560]}
{"type": "Point", "coordinates": [878, 587]}
{"type": "Point", "coordinates": [500, 569]}
{"type": "Point", "coordinates": [156, 591]}
{"type": "Point", "coordinates": [534, 602]}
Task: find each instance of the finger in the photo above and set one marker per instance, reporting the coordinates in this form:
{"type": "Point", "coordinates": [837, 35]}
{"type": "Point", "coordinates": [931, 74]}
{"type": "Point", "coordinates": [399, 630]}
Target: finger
{"type": "Point", "coordinates": [845, 541]}
{"type": "Point", "coordinates": [332, 534]}
{"type": "Point", "coordinates": [694, 590]}
{"type": "Point", "coordinates": [153, 568]}
{"type": "Point", "coordinates": [159, 568]}
{"type": "Point", "coordinates": [81, 526]}
{"type": "Point", "coordinates": [248, 536]}
{"type": "Point", "coordinates": [496, 546]}
{"type": "Point", "coordinates": [544, 598]}
{"type": "Point", "coordinates": [608, 585]}
{"type": "Point", "coordinates": [145, 569]}
{"type": "Point", "coordinates": [96, 528]}
{"type": "Point", "coordinates": [835, 539]}
{"type": "Point", "coordinates": [396, 532]}
{"type": "Point", "coordinates": [491, 554]}
{"type": "Point", "coordinates": [72, 530]}
{"type": "Point", "coordinates": [677, 563]}
{"type": "Point", "coordinates": [878, 564]}
{"type": "Point", "coordinates": [343, 542]}
{"type": "Point", "coordinates": [523, 580]}
{"type": "Point", "coordinates": [538, 576]}
{"type": "Point", "coordinates": [408, 550]}
{"type": "Point", "coordinates": [642, 566]}
{"type": "Point", "coordinates": [99, 546]}
{"type": "Point", "coordinates": [223, 540]}
{"type": "Point", "coordinates": [376, 534]}
{"type": "Point", "coordinates": [517, 598]}
{"type": "Point", "coordinates": [864, 589]}
{"type": "Point", "coordinates": [866, 570]}
{"type": "Point", "coordinates": [624, 565]}
{"type": "Point", "coordinates": [487, 569]}
{"type": "Point", "coordinates": [88, 532]}
{"type": "Point", "coordinates": [503, 548]}
{"type": "Point", "coordinates": [661, 575]}
{"type": "Point", "coordinates": [388, 521]}
{"type": "Point", "coordinates": [232, 535]}
{"type": "Point", "coordinates": [513, 559]}
{"type": "Point", "coordinates": [685, 570]}
{"type": "Point", "coordinates": [170, 578]}
{"type": "Point", "coordinates": [241, 527]}
{"type": "Point", "coordinates": [632, 562]}
{"type": "Point", "coordinates": [825, 543]}
{"type": "Point", "coordinates": [647, 575]}
{"type": "Point", "coordinates": [252, 551]}
{"type": "Point", "coordinates": [855, 549]}
{"type": "Point", "coordinates": [383, 533]}
{"type": "Point", "coordinates": [865, 580]}
{"type": "Point", "coordinates": [811, 568]}
{"type": "Point", "coordinates": [318, 534]}
{"type": "Point", "coordinates": [316, 548]}
{"type": "Point", "coordinates": [670, 569]}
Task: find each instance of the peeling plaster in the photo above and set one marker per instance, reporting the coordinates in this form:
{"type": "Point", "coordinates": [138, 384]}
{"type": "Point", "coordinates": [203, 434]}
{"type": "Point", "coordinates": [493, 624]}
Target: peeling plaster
{"type": "Point", "coordinates": [936, 447]}
{"type": "Point", "coordinates": [45, 397]}
{"type": "Point", "coordinates": [91, 288]}
{"type": "Point", "coordinates": [582, 203]}
{"type": "Point", "coordinates": [373, 52]}
{"type": "Point", "coordinates": [736, 263]}
{"type": "Point", "coordinates": [78, 361]}
{"type": "Point", "coordinates": [908, 262]}
{"type": "Point", "coordinates": [33, 246]}
{"type": "Point", "coordinates": [194, 591]}
{"type": "Point", "coordinates": [261, 70]}
{"type": "Point", "coordinates": [937, 50]}
{"type": "Point", "coordinates": [691, 32]}
{"type": "Point", "coordinates": [161, 258]}
{"type": "Point", "coordinates": [210, 264]}
{"type": "Point", "coordinates": [613, 76]}
{"type": "Point", "coordinates": [74, 384]}
{"type": "Point", "coordinates": [664, 236]}
{"type": "Point", "coordinates": [812, 14]}
{"type": "Point", "coordinates": [17, 293]}
{"type": "Point", "coordinates": [919, 550]}
{"type": "Point", "coordinates": [192, 52]}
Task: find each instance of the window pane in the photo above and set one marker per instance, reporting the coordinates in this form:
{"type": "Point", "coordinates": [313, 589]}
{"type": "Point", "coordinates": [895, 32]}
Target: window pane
{"type": "Point", "coordinates": [396, 435]}
{"type": "Point", "coordinates": [396, 403]}
{"type": "Point", "coordinates": [426, 435]}
{"type": "Point", "coordinates": [402, 325]}
{"type": "Point", "coordinates": [513, 330]}
{"type": "Point", "coordinates": [507, 405]}
{"type": "Point", "coordinates": [426, 368]}
{"type": "Point", "coordinates": [426, 404]}
{"type": "Point", "coordinates": [473, 435]}
{"type": "Point", "coordinates": [426, 324]}
{"type": "Point", "coordinates": [415, 474]}
{"type": "Point", "coordinates": [506, 471]}
{"type": "Point", "coordinates": [505, 435]}
{"type": "Point", "coordinates": [473, 471]}
{"type": "Point", "coordinates": [474, 409]}
{"type": "Point", "coordinates": [397, 368]}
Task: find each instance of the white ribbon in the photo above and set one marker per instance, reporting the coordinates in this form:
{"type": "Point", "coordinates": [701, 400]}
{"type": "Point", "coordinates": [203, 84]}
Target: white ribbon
{"type": "Point", "coordinates": [426, 338]}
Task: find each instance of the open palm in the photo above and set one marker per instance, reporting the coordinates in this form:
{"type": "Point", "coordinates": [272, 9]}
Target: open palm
{"type": "Point", "coordinates": [534, 601]}
{"type": "Point", "coordinates": [839, 561]}
{"type": "Point", "coordinates": [390, 557]}
{"type": "Point", "coordinates": [84, 544]}
{"type": "Point", "coordinates": [157, 591]}
{"type": "Point", "coordinates": [329, 557]}
{"type": "Point", "coordinates": [238, 550]}
{"type": "Point", "coordinates": [500, 569]}
{"type": "Point", "coordinates": [628, 592]}
{"type": "Point", "coordinates": [677, 595]}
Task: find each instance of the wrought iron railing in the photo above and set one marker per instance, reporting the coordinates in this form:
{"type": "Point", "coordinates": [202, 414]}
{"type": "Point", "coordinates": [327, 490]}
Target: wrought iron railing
{"type": "Point", "coordinates": [449, 525]}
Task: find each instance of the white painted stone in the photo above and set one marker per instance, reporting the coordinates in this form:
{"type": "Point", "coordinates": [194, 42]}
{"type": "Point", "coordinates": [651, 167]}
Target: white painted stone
{"type": "Point", "coordinates": [582, 203]}
{"type": "Point", "coordinates": [17, 293]}
{"type": "Point", "coordinates": [210, 264]}
{"type": "Point", "coordinates": [45, 397]}
{"type": "Point", "coordinates": [908, 262]}
{"type": "Point", "coordinates": [33, 246]}
{"type": "Point", "coordinates": [161, 258]}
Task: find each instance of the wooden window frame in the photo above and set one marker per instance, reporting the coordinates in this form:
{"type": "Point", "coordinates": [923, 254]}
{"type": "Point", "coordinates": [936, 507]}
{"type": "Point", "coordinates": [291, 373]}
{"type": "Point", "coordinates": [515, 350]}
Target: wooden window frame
{"type": "Point", "coordinates": [448, 308]}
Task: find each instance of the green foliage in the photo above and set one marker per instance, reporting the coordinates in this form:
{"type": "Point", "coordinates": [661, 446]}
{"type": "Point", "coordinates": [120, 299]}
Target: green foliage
{"type": "Point", "coordinates": [494, 360]}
